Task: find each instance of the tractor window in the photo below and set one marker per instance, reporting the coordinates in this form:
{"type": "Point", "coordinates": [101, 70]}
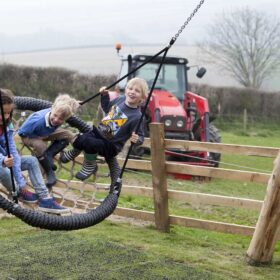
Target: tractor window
{"type": "Point", "coordinates": [171, 77]}
{"type": "Point", "coordinates": [123, 71]}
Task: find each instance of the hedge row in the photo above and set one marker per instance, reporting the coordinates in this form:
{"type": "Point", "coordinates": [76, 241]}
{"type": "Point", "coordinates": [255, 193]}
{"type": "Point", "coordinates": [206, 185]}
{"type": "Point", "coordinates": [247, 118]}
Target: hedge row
{"type": "Point", "coordinates": [46, 83]}
{"type": "Point", "coordinates": [233, 101]}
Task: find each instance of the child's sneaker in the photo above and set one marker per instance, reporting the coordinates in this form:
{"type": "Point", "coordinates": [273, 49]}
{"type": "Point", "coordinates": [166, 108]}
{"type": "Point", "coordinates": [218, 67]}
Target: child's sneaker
{"type": "Point", "coordinates": [49, 205]}
{"type": "Point", "coordinates": [26, 196]}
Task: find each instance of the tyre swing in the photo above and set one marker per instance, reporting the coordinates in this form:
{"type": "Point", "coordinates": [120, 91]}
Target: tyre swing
{"type": "Point", "coordinates": [106, 208]}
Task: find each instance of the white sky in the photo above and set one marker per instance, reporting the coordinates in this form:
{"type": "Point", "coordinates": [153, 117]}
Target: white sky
{"type": "Point", "coordinates": [28, 25]}
{"type": "Point", "coordinates": [142, 20]}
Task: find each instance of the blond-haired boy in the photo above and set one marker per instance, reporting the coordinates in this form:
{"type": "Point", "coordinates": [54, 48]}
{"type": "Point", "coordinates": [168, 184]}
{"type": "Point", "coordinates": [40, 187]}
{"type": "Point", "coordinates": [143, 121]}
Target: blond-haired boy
{"type": "Point", "coordinates": [118, 126]}
{"type": "Point", "coordinates": [43, 126]}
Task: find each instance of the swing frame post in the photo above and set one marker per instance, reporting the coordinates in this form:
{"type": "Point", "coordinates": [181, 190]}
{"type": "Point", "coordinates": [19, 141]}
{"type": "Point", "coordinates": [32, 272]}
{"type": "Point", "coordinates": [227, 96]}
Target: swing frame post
{"type": "Point", "coordinates": [260, 251]}
{"type": "Point", "coordinates": [159, 177]}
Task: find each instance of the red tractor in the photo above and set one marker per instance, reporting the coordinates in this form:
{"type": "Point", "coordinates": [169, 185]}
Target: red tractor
{"type": "Point", "coordinates": [185, 114]}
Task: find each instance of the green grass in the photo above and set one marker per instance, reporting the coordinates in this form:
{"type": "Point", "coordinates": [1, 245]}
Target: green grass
{"type": "Point", "coordinates": [112, 250]}
{"type": "Point", "coordinates": [124, 251]}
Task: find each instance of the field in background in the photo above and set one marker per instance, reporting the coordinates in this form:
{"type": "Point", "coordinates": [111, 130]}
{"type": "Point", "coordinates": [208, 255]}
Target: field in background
{"type": "Point", "coordinates": [104, 60]}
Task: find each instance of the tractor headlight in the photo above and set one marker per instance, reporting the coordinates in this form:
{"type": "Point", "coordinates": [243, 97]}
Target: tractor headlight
{"type": "Point", "coordinates": [180, 124]}
{"type": "Point", "coordinates": [167, 122]}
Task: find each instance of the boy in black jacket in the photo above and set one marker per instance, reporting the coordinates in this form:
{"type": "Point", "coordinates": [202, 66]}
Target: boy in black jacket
{"type": "Point", "coordinates": [118, 126]}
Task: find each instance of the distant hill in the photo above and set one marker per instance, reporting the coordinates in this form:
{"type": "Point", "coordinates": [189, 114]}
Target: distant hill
{"type": "Point", "coordinates": [104, 60]}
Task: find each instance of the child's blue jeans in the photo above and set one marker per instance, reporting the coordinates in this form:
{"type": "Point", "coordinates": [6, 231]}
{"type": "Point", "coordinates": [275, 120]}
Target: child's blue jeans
{"type": "Point", "coordinates": [30, 164]}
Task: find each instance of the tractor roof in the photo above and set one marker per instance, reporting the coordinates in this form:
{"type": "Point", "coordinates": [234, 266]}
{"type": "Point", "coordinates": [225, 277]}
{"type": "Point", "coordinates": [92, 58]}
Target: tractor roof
{"type": "Point", "coordinates": [168, 59]}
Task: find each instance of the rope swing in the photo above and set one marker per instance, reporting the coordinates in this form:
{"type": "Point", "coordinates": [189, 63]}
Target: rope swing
{"type": "Point", "coordinates": [106, 208]}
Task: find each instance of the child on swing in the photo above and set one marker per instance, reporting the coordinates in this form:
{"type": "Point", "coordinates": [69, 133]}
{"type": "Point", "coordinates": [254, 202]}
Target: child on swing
{"type": "Point", "coordinates": [118, 126]}
{"type": "Point", "coordinates": [43, 126]}
{"type": "Point", "coordinates": [18, 163]}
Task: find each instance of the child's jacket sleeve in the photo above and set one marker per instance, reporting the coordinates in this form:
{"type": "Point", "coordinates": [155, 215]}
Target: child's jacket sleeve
{"type": "Point", "coordinates": [13, 152]}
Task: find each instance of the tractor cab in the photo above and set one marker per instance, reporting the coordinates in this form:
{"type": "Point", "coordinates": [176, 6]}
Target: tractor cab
{"type": "Point", "coordinates": [171, 103]}
{"type": "Point", "coordinates": [172, 77]}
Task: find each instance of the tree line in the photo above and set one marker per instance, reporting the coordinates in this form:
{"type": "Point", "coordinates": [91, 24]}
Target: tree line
{"type": "Point", "coordinates": [47, 83]}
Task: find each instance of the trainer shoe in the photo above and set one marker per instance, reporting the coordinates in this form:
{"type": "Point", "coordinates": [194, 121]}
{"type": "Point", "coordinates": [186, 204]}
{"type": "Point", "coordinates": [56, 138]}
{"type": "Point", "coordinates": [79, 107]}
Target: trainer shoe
{"type": "Point", "coordinates": [49, 205]}
{"type": "Point", "coordinates": [26, 196]}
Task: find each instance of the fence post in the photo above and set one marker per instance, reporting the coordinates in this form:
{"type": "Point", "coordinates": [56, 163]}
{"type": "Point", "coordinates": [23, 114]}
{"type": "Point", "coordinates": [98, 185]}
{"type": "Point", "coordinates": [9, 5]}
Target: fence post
{"type": "Point", "coordinates": [265, 236]}
{"type": "Point", "coordinates": [159, 177]}
{"type": "Point", "coordinates": [245, 120]}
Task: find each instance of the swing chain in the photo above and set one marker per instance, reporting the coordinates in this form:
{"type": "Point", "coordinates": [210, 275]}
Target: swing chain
{"type": "Point", "coordinates": [187, 21]}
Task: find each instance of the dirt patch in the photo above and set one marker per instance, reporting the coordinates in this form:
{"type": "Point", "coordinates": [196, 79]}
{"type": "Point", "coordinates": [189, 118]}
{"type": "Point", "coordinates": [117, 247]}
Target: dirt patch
{"type": "Point", "coordinates": [132, 221]}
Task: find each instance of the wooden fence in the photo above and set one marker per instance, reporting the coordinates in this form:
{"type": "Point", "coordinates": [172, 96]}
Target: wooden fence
{"type": "Point", "coordinates": [160, 193]}
{"type": "Point", "coordinates": [267, 230]}
{"type": "Point", "coordinates": [160, 169]}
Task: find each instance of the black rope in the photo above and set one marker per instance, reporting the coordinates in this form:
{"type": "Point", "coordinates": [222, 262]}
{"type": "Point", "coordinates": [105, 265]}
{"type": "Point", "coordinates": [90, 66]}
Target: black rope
{"type": "Point", "coordinates": [118, 182]}
{"type": "Point", "coordinates": [123, 77]}
{"type": "Point", "coordinates": [172, 41]}
{"type": "Point", "coordinates": [165, 50]}
{"type": "Point", "coordinates": [14, 192]}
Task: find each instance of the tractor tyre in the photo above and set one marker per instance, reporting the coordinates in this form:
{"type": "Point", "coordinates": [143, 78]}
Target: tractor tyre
{"type": "Point", "coordinates": [214, 137]}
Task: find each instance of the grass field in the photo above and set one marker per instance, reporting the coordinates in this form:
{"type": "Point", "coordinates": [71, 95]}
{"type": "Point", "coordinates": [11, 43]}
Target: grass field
{"type": "Point", "coordinates": [134, 250]}
{"type": "Point", "coordinates": [112, 250]}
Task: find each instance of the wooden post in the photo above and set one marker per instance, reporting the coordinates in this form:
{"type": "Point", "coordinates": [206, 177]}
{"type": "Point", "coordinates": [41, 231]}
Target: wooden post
{"type": "Point", "coordinates": [159, 177]}
{"type": "Point", "coordinates": [262, 245]}
{"type": "Point", "coordinates": [245, 120]}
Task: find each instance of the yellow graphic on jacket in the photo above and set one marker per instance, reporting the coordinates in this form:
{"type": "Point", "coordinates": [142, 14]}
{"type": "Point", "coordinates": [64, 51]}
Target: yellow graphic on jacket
{"type": "Point", "coordinates": [115, 119]}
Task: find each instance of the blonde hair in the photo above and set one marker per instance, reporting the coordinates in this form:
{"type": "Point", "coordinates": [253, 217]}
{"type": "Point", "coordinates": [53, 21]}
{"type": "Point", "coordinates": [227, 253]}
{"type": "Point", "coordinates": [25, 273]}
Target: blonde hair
{"type": "Point", "coordinates": [67, 105]}
{"type": "Point", "coordinates": [141, 83]}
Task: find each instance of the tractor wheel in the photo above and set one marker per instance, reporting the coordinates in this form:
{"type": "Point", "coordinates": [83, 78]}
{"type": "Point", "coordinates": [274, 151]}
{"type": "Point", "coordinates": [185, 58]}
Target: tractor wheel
{"type": "Point", "coordinates": [215, 137]}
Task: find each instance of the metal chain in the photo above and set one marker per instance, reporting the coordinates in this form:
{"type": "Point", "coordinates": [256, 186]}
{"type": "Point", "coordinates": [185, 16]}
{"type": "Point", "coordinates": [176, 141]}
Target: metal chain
{"type": "Point", "coordinates": [187, 21]}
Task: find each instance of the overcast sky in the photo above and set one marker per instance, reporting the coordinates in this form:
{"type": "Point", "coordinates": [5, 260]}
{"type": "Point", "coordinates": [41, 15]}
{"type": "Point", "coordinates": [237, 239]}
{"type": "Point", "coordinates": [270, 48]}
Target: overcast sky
{"type": "Point", "coordinates": [37, 24]}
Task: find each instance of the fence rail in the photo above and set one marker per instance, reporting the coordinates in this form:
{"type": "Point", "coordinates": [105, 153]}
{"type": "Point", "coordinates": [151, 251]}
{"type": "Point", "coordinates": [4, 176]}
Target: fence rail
{"type": "Point", "coordinates": [159, 178]}
{"type": "Point", "coordinates": [190, 197]}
